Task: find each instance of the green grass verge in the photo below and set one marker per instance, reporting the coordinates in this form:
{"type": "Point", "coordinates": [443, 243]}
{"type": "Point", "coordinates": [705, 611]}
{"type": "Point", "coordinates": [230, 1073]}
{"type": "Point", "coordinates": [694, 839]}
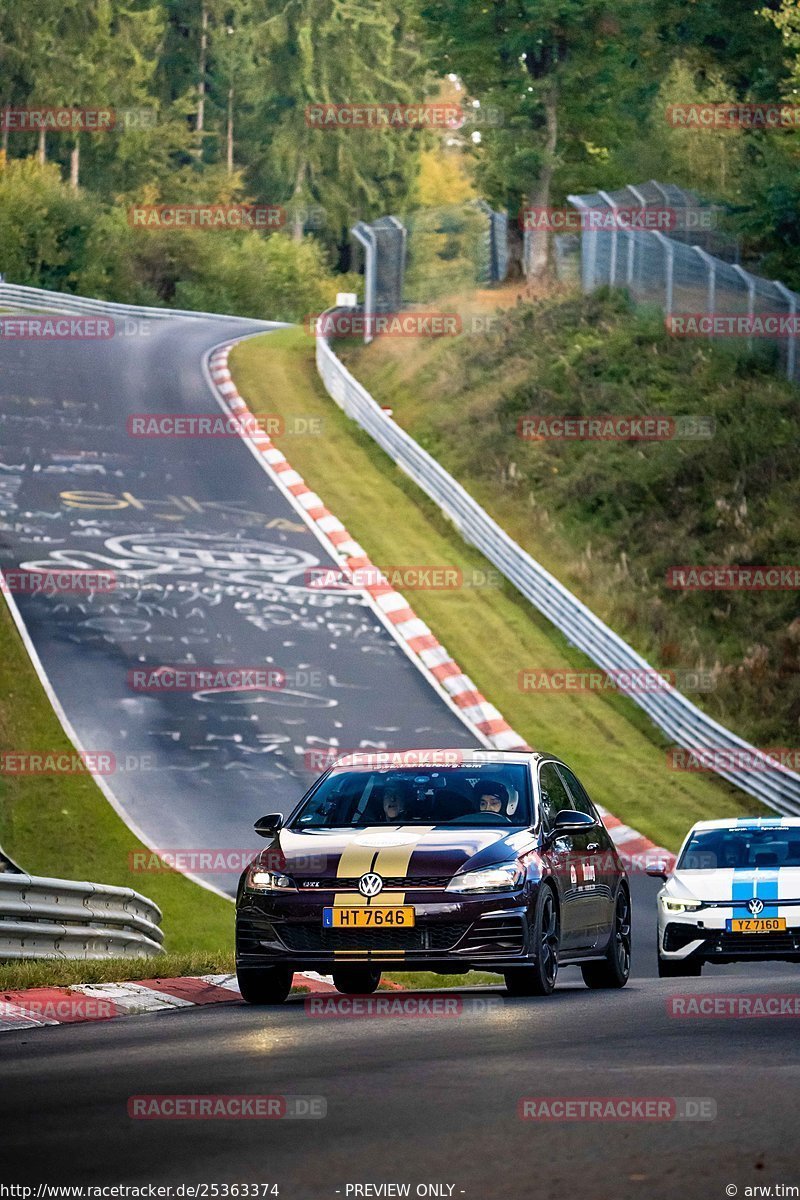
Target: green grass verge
{"type": "Point", "coordinates": [491, 631]}
{"type": "Point", "coordinates": [54, 972]}
{"type": "Point", "coordinates": [64, 827]}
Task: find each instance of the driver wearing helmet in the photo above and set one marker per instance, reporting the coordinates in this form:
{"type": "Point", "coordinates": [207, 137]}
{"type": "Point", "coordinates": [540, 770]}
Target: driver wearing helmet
{"type": "Point", "coordinates": [492, 796]}
{"type": "Point", "coordinates": [395, 799]}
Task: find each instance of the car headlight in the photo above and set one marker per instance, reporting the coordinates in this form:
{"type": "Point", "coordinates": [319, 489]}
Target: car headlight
{"type": "Point", "coordinates": [490, 879]}
{"type": "Point", "coordinates": [259, 880]}
{"type": "Point", "coordinates": [679, 906]}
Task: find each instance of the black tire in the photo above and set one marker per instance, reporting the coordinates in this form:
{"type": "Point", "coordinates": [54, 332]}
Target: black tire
{"type": "Point", "coordinates": [539, 979]}
{"type": "Point", "coordinates": [264, 985]}
{"type": "Point", "coordinates": [678, 969]}
{"type": "Point", "coordinates": [356, 981]}
{"type": "Point", "coordinates": [615, 969]}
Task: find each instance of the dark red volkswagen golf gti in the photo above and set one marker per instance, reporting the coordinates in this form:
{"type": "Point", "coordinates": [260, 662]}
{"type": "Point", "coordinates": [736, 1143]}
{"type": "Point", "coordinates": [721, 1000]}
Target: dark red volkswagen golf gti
{"type": "Point", "coordinates": [435, 860]}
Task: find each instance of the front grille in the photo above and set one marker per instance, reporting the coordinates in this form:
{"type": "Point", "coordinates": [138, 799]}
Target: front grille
{"type": "Point", "coordinates": [774, 943]}
{"type": "Point", "coordinates": [497, 933]}
{"type": "Point", "coordinates": [307, 938]}
{"type": "Point", "coordinates": [332, 883]}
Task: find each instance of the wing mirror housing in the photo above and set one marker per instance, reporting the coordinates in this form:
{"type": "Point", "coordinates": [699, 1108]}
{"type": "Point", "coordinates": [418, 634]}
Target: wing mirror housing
{"type": "Point", "coordinates": [268, 826]}
{"type": "Point", "coordinates": [570, 821]}
{"type": "Point", "coordinates": [657, 869]}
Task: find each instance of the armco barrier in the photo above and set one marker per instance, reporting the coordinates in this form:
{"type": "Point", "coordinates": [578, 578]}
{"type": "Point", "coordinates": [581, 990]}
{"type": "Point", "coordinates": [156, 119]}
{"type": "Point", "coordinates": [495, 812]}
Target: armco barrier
{"type": "Point", "coordinates": [38, 300]}
{"type": "Point", "coordinates": [679, 719]}
{"type": "Point", "coordinates": [62, 918]}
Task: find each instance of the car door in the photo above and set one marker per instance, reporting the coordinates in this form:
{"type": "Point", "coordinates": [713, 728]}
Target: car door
{"type": "Point", "coordinates": [564, 856]}
{"type": "Point", "coordinates": [598, 869]}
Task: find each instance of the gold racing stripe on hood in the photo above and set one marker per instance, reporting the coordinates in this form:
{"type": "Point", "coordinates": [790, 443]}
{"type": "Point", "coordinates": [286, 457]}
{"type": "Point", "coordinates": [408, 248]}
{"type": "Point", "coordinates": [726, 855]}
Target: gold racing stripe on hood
{"type": "Point", "coordinates": [386, 861]}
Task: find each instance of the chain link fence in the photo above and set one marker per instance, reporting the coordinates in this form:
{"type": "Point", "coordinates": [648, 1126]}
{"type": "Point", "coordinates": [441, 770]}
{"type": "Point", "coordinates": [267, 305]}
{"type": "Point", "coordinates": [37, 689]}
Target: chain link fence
{"type": "Point", "coordinates": [450, 248]}
{"type": "Point", "coordinates": [688, 267]}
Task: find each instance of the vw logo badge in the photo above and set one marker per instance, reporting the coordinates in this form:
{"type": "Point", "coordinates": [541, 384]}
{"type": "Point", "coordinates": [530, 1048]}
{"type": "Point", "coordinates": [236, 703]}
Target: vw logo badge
{"type": "Point", "coordinates": [755, 906]}
{"type": "Point", "coordinates": [370, 884]}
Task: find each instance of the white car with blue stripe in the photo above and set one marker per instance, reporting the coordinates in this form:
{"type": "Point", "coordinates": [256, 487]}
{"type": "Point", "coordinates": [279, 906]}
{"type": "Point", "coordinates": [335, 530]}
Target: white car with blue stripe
{"type": "Point", "coordinates": [732, 896]}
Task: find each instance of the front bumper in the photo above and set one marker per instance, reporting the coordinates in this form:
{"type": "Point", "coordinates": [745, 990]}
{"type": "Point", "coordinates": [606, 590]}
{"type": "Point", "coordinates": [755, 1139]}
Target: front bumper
{"type": "Point", "coordinates": [695, 939]}
{"type": "Point", "coordinates": [450, 935]}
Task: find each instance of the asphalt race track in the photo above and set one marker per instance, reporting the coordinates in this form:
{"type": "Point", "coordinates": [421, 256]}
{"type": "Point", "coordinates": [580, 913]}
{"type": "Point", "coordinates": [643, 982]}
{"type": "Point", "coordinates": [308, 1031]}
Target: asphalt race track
{"type": "Point", "coordinates": [409, 1101]}
{"type": "Point", "coordinates": [212, 566]}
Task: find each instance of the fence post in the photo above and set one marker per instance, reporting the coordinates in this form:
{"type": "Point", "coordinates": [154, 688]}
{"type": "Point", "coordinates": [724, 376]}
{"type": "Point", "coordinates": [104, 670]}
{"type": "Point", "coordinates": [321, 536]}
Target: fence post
{"type": "Point", "coordinates": [669, 251]}
{"type": "Point", "coordinates": [366, 237]}
{"type": "Point", "coordinates": [750, 284]}
{"type": "Point", "coordinates": [402, 272]}
{"type": "Point", "coordinates": [612, 264]}
{"type": "Point", "coordinates": [711, 266]}
{"type": "Point", "coordinates": [588, 248]}
{"type": "Point", "coordinates": [791, 344]}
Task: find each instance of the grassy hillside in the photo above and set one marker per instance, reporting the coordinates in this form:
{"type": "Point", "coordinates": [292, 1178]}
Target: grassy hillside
{"type": "Point", "coordinates": [608, 518]}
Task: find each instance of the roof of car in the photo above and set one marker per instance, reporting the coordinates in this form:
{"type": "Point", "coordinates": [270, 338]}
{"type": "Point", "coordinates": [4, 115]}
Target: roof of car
{"type": "Point", "coordinates": [749, 822]}
{"type": "Point", "coordinates": [450, 756]}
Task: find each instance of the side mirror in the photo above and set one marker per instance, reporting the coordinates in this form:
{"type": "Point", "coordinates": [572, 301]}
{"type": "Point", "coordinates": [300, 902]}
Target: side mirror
{"type": "Point", "coordinates": [657, 870]}
{"type": "Point", "coordinates": [268, 826]}
{"type": "Point", "coordinates": [570, 821]}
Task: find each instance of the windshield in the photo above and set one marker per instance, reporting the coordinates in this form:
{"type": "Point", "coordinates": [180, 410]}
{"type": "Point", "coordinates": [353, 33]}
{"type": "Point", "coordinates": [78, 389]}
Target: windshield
{"type": "Point", "coordinates": [741, 846]}
{"type": "Point", "coordinates": [482, 794]}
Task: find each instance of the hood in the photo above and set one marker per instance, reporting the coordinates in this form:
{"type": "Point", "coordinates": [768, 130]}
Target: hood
{"type": "Point", "coordinates": [776, 883]}
{"type": "Point", "coordinates": [407, 851]}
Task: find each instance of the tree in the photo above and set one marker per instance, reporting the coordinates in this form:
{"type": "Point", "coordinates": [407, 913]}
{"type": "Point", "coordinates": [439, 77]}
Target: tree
{"type": "Point", "coordinates": [327, 51]}
{"type": "Point", "coordinates": [564, 74]}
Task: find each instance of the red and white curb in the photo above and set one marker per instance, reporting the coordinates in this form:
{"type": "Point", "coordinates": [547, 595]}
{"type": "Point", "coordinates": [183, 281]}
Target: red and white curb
{"type": "Point", "coordinates": [420, 643]}
{"type": "Point", "coordinates": [36, 1007]}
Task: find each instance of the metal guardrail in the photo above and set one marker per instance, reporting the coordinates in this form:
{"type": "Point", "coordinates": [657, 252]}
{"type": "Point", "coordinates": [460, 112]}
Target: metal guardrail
{"type": "Point", "coordinates": [62, 918]}
{"type": "Point", "coordinates": [668, 708]}
{"type": "Point", "coordinates": [39, 300]}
